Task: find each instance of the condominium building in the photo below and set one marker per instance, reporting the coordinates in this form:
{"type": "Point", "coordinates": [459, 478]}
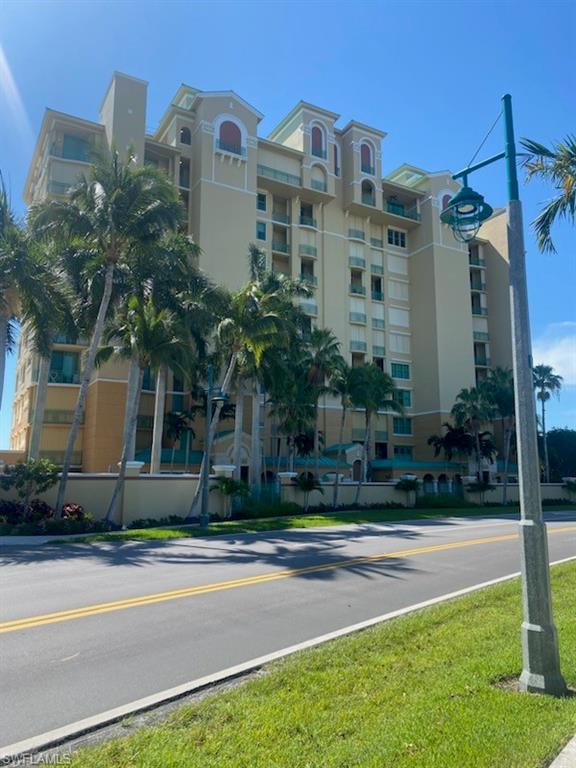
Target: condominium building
{"type": "Point", "coordinates": [386, 276]}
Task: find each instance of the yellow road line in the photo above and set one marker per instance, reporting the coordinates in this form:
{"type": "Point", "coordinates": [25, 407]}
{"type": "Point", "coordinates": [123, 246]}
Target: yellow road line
{"type": "Point", "coordinates": [160, 597]}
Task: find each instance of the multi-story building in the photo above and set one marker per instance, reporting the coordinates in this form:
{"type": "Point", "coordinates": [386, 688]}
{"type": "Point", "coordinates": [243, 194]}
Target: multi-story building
{"type": "Point", "coordinates": [387, 276]}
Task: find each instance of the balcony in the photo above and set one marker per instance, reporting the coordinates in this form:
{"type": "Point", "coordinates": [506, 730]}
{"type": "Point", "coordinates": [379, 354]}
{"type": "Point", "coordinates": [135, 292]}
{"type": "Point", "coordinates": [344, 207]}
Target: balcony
{"type": "Point", "coordinates": [368, 199]}
{"type": "Point", "coordinates": [59, 417]}
{"type": "Point", "coordinates": [378, 322]}
{"type": "Point", "coordinates": [280, 246]}
{"type": "Point", "coordinates": [476, 261]}
{"type": "Point", "coordinates": [309, 279]}
{"type": "Point", "coordinates": [309, 308]}
{"type": "Point", "coordinates": [59, 377]}
{"type": "Point", "coordinates": [308, 221]}
{"type": "Point", "coordinates": [57, 457]}
{"type": "Point", "coordinates": [375, 242]}
{"type": "Point", "coordinates": [307, 250]}
{"type": "Point", "coordinates": [378, 351]}
{"type": "Point", "coordinates": [357, 261]}
{"type": "Point", "coordinates": [358, 346]}
{"type": "Point", "coordinates": [356, 234]}
{"type": "Point", "coordinates": [80, 154]}
{"type": "Point", "coordinates": [320, 186]}
{"type": "Point", "coordinates": [230, 149]}
{"type": "Point", "coordinates": [357, 317]}
{"type": "Point", "coordinates": [477, 286]}
{"type": "Point", "coordinates": [280, 217]}
{"type": "Point", "coordinates": [481, 336]}
{"type": "Point", "coordinates": [59, 187]}
{"type": "Point", "coordinates": [366, 168]}
{"type": "Point", "coordinates": [282, 176]}
{"type": "Point", "coordinates": [482, 362]}
{"type": "Point", "coordinates": [480, 311]}
{"type": "Point", "coordinates": [357, 289]}
{"type": "Point", "coordinates": [319, 153]}
{"type": "Point", "coordinates": [398, 209]}
{"type": "Point", "coordinates": [377, 269]}
{"type": "Point", "coordinates": [377, 296]}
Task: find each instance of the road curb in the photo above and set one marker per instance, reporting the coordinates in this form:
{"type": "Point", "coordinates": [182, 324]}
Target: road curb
{"type": "Point", "coordinates": [60, 736]}
{"type": "Point", "coordinates": [566, 758]}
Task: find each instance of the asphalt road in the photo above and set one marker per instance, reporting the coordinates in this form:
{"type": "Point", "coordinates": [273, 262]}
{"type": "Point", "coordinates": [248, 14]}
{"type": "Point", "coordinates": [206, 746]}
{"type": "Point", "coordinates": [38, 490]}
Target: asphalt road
{"type": "Point", "coordinates": [86, 628]}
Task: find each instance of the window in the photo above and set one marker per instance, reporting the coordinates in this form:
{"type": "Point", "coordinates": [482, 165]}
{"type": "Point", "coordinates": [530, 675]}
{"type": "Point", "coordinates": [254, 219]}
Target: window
{"type": "Point", "coordinates": [398, 290]}
{"type": "Point", "coordinates": [75, 148]}
{"type": "Point", "coordinates": [403, 397]}
{"type": "Point", "coordinates": [445, 200]}
{"type": "Point", "coordinates": [64, 367]}
{"type": "Point", "coordinates": [260, 230]}
{"type": "Point", "coordinates": [366, 162]}
{"type": "Point", "coordinates": [368, 194]}
{"type": "Point", "coordinates": [397, 238]}
{"type": "Point", "coordinates": [399, 317]}
{"type": "Point", "coordinates": [377, 289]}
{"type": "Point", "coordinates": [230, 138]}
{"type": "Point", "coordinates": [402, 425]}
{"type": "Point", "coordinates": [399, 342]}
{"type": "Point", "coordinates": [398, 264]}
{"type": "Point", "coordinates": [381, 450]}
{"type": "Point", "coordinates": [379, 363]}
{"type": "Point", "coordinates": [400, 371]}
{"type": "Point", "coordinates": [185, 136]}
{"type": "Point", "coordinates": [336, 163]}
{"type": "Point", "coordinates": [261, 202]}
{"type": "Point", "coordinates": [318, 142]}
{"type": "Point", "coordinates": [184, 173]}
{"type": "Point", "coordinates": [405, 451]}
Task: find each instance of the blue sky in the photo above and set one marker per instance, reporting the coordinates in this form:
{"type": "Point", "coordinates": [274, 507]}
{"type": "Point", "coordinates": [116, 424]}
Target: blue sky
{"type": "Point", "coordinates": [430, 73]}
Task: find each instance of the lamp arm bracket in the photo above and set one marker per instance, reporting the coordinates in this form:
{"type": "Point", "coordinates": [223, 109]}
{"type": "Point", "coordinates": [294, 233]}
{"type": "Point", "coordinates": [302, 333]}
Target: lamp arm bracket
{"type": "Point", "coordinates": [477, 166]}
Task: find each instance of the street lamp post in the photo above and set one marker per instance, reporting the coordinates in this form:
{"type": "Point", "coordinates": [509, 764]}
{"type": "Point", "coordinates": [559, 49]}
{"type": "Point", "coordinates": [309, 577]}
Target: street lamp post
{"type": "Point", "coordinates": [465, 213]}
{"type": "Point", "coordinates": [204, 512]}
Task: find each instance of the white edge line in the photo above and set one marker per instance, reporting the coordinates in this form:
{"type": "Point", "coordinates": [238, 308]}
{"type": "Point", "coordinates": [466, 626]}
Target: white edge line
{"type": "Point", "coordinates": [89, 724]}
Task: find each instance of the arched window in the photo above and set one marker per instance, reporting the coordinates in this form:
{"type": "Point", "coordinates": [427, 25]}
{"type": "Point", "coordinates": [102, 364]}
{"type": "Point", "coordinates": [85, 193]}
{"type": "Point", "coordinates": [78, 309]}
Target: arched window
{"type": "Point", "coordinates": [318, 142]}
{"type": "Point", "coordinates": [230, 137]}
{"type": "Point", "coordinates": [368, 195]}
{"type": "Point", "coordinates": [366, 159]}
{"type": "Point", "coordinates": [319, 178]}
{"type": "Point", "coordinates": [185, 136]}
{"type": "Point", "coordinates": [336, 163]}
{"type": "Point", "coordinates": [445, 200]}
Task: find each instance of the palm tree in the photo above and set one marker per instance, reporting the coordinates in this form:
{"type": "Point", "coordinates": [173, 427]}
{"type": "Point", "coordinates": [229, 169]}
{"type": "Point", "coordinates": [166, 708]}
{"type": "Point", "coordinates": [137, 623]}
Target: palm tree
{"type": "Point", "coordinates": [324, 349]}
{"type": "Point", "coordinates": [471, 410]}
{"type": "Point", "coordinates": [372, 391]}
{"type": "Point", "coordinates": [546, 384]}
{"type": "Point", "coordinates": [456, 441]}
{"type": "Point", "coordinates": [340, 385]}
{"type": "Point", "coordinates": [499, 391]}
{"type": "Point", "coordinates": [557, 166]}
{"type": "Point", "coordinates": [153, 337]}
{"type": "Point", "coordinates": [111, 214]}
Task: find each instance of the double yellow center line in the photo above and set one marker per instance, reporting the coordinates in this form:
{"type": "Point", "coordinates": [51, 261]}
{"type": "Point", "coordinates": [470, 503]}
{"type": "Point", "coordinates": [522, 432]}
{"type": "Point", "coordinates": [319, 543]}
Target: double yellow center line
{"type": "Point", "coordinates": [204, 589]}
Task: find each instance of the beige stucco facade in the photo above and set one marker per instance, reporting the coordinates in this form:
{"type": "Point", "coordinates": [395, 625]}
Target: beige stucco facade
{"type": "Point", "coordinates": [387, 276]}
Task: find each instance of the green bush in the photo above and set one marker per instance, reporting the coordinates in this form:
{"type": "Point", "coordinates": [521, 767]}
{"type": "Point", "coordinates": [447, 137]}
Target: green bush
{"type": "Point", "coordinates": [148, 522]}
{"type": "Point", "coordinates": [29, 478]}
{"type": "Point", "coordinates": [265, 509]}
{"type": "Point", "coordinates": [441, 501]}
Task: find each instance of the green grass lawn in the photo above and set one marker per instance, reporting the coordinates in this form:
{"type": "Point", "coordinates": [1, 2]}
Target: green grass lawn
{"type": "Point", "coordinates": [416, 692]}
{"type": "Point", "coordinates": [293, 521]}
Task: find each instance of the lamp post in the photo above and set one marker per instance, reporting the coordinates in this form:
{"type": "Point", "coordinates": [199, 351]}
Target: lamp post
{"type": "Point", "coordinates": [204, 513]}
{"type": "Point", "coordinates": [464, 213]}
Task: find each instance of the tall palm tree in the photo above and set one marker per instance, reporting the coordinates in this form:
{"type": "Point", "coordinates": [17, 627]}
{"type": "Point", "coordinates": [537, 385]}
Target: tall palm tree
{"type": "Point", "coordinates": [499, 391]}
{"type": "Point", "coordinates": [112, 213]}
{"type": "Point", "coordinates": [153, 337]}
{"type": "Point", "coordinates": [546, 384]}
{"type": "Point", "coordinates": [472, 410]}
{"type": "Point", "coordinates": [372, 391]}
{"type": "Point", "coordinates": [557, 166]}
{"type": "Point", "coordinates": [340, 385]}
{"type": "Point", "coordinates": [324, 349]}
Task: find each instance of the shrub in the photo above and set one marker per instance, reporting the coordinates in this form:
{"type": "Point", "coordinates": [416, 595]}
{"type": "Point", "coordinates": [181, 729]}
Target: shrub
{"type": "Point", "coordinates": [29, 478]}
{"type": "Point", "coordinates": [264, 509]}
{"type": "Point", "coordinates": [407, 485]}
{"type": "Point", "coordinates": [228, 486]}
{"type": "Point", "coordinates": [440, 501]}
{"type": "Point", "coordinates": [74, 512]}
{"type": "Point", "coordinates": [11, 512]}
{"type": "Point", "coordinates": [149, 522]}
{"type": "Point", "coordinates": [38, 510]}
{"type": "Point", "coordinates": [570, 486]}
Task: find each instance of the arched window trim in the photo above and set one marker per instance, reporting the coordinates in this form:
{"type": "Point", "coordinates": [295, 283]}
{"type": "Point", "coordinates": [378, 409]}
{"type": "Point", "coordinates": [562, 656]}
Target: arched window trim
{"type": "Point", "coordinates": [184, 129]}
{"type": "Point", "coordinates": [368, 180]}
{"type": "Point", "coordinates": [442, 194]}
{"type": "Point", "coordinates": [371, 168]}
{"type": "Point", "coordinates": [315, 183]}
{"type": "Point", "coordinates": [324, 133]}
{"type": "Point", "coordinates": [223, 118]}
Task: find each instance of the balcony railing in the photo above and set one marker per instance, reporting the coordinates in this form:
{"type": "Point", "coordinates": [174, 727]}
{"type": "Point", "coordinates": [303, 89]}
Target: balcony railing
{"type": "Point", "coordinates": [481, 336]}
{"type": "Point", "coordinates": [377, 296]}
{"type": "Point", "coordinates": [366, 168]}
{"type": "Point", "coordinates": [57, 457]}
{"type": "Point", "coordinates": [63, 338]}
{"type": "Point", "coordinates": [281, 217]}
{"type": "Point", "coordinates": [321, 186]}
{"type": "Point", "coordinates": [357, 261]}
{"type": "Point", "coordinates": [281, 246]}
{"type": "Point", "coordinates": [476, 261]}
{"type": "Point", "coordinates": [400, 210]}
{"type": "Point", "coordinates": [357, 317]}
{"type": "Point", "coordinates": [381, 435]}
{"type": "Point", "coordinates": [358, 346]}
{"type": "Point", "coordinates": [80, 154]}
{"type": "Point", "coordinates": [232, 149]}
{"type": "Point", "coordinates": [59, 187]}
{"type": "Point", "coordinates": [482, 311]}
{"type": "Point", "coordinates": [356, 234]}
{"type": "Point", "coordinates": [307, 250]}
{"type": "Point", "coordinates": [378, 322]}
{"type": "Point", "coordinates": [309, 308]}
{"type": "Point", "coordinates": [59, 377]}
{"type": "Point", "coordinates": [358, 289]}
{"type": "Point", "coordinates": [368, 199]}
{"type": "Point", "coordinates": [285, 178]}
{"type": "Point", "coordinates": [378, 350]}
{"type": "Point", "coordinates": [308, 278]}
{"type": "Point", "coordinates": [375, 242]}
{"type": "Point", "coordinates": [484, 362]}
{"type": "Point", "coordinates": [475, 286]}
{"type": "Point", "coordinates": [307, 221]}
{"type": "Point", "coordinates": [319, 153]}
{"type": "Point", "coordinates": [59, 417]}
{"type": "Point", "coordinates": [377, 269]}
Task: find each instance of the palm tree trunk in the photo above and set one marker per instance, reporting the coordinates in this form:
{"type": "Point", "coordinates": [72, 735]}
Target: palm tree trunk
{"type": "Point", "coordinates": [238, 432]}
{"type": "Point", "coordinates": [507, 441]}
{"type": "Point", "coordinates": [159, 408]}
{"type": "Point", "coordinates": [39, 406]}
{"type": "Point", "coordinates": [132, 404]}
{"type": "Point", "coordinates": [133, 373]}
{"type": "Point", "coordinates": [255, 453]}
{"type": "Point", "coordinates": [316, 446]}
{"type": "Point", "coordinates": [545, 441]}
{"type": "Point", "coordinates": [187, 456]}
{"type": "Point", "coordinates": [212, 428]}
{"type": "Point", "coordinates": [340, 458]}
{"type": "Point", "coordinates": [478, 456]}
{"type": "Point", "coordinates": [364, 473]}
{"type": "Point", "coordinates": [84, 383]}
{"type": "Point", "coordinates": [3, 352]}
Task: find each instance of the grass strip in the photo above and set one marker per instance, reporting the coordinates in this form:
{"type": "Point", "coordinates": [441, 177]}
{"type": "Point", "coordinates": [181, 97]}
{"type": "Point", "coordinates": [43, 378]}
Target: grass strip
{"type": "Point", "coordinates": [415, 692]}
{"type": "Point", "coordinates": [289, 522]}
